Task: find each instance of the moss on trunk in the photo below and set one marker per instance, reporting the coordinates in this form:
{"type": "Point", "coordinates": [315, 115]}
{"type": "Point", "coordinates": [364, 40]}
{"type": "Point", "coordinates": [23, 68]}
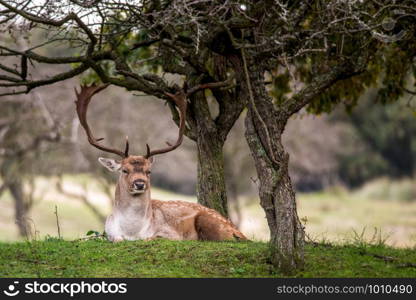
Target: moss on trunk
{"type": "Point", "coordinates": [264, 128]}
{"type": "Point", "coordinates": [211, 188]}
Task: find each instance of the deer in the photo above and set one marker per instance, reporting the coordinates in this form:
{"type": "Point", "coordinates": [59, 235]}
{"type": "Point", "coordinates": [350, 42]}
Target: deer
{"type": "Point", "coordinates": [135, 215]}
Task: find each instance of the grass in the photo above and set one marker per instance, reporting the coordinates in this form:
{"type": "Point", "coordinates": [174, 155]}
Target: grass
{"type": "Point", "coordinates": [337, 216]}
{"type": "Point", "coordinates": [163, 258]}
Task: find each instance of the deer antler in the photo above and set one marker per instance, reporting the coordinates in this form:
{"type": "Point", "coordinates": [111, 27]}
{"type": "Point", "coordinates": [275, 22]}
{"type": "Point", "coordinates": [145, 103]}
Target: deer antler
{"type": "Point", "coordinates": [180, 101]}
{"type": "Point", "coordinates": [83, 99]}
{"type": "Point", "coordinates": [179, 98]}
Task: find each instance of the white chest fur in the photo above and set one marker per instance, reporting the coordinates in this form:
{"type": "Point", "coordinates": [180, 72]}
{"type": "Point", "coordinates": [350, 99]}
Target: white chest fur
{"type": "Point", "coordinates": [129, 223]}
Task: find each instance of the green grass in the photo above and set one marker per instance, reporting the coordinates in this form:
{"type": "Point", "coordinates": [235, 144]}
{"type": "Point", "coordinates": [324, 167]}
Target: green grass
{"type": "Point", "coordinates": [359, 225]}
{"type": "Point", "coordinates": [163, 258]}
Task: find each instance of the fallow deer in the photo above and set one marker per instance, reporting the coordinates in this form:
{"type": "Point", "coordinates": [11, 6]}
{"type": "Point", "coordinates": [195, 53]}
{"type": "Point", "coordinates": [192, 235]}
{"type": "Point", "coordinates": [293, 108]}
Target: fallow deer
{"type": "Point", "coordinates": [135, 215]}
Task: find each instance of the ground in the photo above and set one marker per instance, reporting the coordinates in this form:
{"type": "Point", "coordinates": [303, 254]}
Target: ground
{"type": "Point", "coordinates": [163, 258]}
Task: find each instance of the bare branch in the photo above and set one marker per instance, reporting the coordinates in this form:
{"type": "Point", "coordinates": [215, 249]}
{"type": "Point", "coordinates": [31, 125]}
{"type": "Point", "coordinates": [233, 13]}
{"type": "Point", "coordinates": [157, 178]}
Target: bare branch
{"type": "Point", "coordinates": [342, 71]}
{"type": "Point", "coordinates": [84, 199]}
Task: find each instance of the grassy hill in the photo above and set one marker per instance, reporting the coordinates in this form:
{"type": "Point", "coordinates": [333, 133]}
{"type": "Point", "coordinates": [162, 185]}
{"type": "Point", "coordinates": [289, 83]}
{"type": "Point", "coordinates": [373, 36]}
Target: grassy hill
{"type": "Point", "coordinates": [358, 224]}
{"type": "Point", "coordinates": [162, 258]}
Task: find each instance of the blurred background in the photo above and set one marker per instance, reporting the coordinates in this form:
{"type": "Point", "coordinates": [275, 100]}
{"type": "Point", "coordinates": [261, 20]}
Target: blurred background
{"type": "Point", "coordinates": [353, 171]}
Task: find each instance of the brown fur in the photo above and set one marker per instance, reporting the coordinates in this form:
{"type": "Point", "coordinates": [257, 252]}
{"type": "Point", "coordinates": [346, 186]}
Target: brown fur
{"type": "Point", "coordinates": [206, 223]}
{"type": "Point", "coordinates": [143, 218]}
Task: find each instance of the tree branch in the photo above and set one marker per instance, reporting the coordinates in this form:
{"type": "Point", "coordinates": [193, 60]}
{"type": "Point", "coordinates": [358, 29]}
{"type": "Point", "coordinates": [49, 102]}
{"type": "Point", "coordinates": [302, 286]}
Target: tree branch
{"type": "Point", "coordinates": [57, 23]}
{"type": "Point", "coordinates": [81, 198]}
{"type": "Point", "coordinates": [56, 78]}
{"type": "Point", "coordinates": [342, 71]}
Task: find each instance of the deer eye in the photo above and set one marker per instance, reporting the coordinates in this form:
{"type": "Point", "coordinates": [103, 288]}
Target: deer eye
{"type": "Point", "coordinates": [148, 173]}
{"type": "Point", "coordinates": [125, 171]}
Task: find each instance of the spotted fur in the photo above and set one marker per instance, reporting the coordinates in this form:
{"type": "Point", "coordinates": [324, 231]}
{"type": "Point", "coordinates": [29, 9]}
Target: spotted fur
{"type": "Point", "coordinates": [137, 216]}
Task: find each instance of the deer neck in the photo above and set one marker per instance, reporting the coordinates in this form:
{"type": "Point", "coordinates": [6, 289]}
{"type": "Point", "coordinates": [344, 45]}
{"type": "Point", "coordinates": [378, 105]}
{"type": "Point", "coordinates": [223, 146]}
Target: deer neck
{"type": "Point", "coordinates": [139, 205]}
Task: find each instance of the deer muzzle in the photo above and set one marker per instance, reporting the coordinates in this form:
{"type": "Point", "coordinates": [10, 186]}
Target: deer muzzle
{"type": "Point", "coordinates": [138, 187]}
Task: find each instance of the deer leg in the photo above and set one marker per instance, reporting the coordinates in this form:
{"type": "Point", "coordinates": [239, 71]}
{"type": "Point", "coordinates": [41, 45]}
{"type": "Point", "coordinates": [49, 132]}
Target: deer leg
{"type": "Point", "coordinates": [112, 230]}
{"type": "Point", "coordinates": [210, 228]}
{"type": "Point", "coordinates": [116, 239]}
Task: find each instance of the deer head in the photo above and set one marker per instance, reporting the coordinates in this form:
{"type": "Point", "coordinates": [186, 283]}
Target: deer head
{"type": "Point", "coordinates": [134, 170]}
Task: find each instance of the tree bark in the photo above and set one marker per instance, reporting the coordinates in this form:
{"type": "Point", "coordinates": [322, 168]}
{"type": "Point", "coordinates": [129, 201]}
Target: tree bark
{"type": "Point", "coordinates": [277, 198]}
{"type": "Point", "coordinates": [211, 190]}
{"type": "Point", "coordinates": [210, 133]}
{"type": "Point", "coordinates": [264, 128]}
{"type": "Point", "coordinates": [16, 190]}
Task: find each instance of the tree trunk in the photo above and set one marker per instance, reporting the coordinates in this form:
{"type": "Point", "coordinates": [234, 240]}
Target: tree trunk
{"type": "Point", "coordinates": [264, 128]}
{"type": "Point", "coordinates": [277, 198]}
{"type": "Point", "coordinates": [210, 132]}
{"type": "Point", "coordinates": [16, 190]}
{"type": "Point", "coordinates": [234, 203]}
{"type": "Point", "coordinates": [211, 189]}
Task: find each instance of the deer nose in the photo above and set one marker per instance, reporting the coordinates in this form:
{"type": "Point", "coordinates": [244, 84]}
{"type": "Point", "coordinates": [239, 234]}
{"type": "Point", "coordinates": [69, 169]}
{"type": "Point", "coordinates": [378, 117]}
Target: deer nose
{"type": "Point", "coordinates": [139, 184]}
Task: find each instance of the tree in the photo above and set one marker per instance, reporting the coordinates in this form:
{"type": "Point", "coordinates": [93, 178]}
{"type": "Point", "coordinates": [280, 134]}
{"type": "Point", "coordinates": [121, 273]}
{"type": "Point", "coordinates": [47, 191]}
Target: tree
{"type": "Point", "coordinates": [21, 139]}
{"type": "Point", "coordinates": [125, 45]}
{"type": "Point", "coordinates": [342, 52]}
{"type": "Point", "coordinates": [316, 52]}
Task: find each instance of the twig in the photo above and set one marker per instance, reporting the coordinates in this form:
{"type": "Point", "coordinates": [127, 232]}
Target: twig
{"type": "Point", "coordinates": [390, 259]}
{"type": "Point", "coordinates": [407, 265]}
{"type": "Point", "coordinates": [57, 222]}
{"type": "Point", "coordinates": [253, 104]}
{"type": "Point", "coordinates": [409, 91]}
{"type": "Point", "coordinates": [211, 85]}
{"type": "Point", "coordinates": [100, 236]}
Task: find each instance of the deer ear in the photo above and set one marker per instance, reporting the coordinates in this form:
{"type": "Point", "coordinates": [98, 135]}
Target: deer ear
{"type": "Point", "coordinates": [110, 164]}
{"type": "Point", "coordinates": [151, 159]}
